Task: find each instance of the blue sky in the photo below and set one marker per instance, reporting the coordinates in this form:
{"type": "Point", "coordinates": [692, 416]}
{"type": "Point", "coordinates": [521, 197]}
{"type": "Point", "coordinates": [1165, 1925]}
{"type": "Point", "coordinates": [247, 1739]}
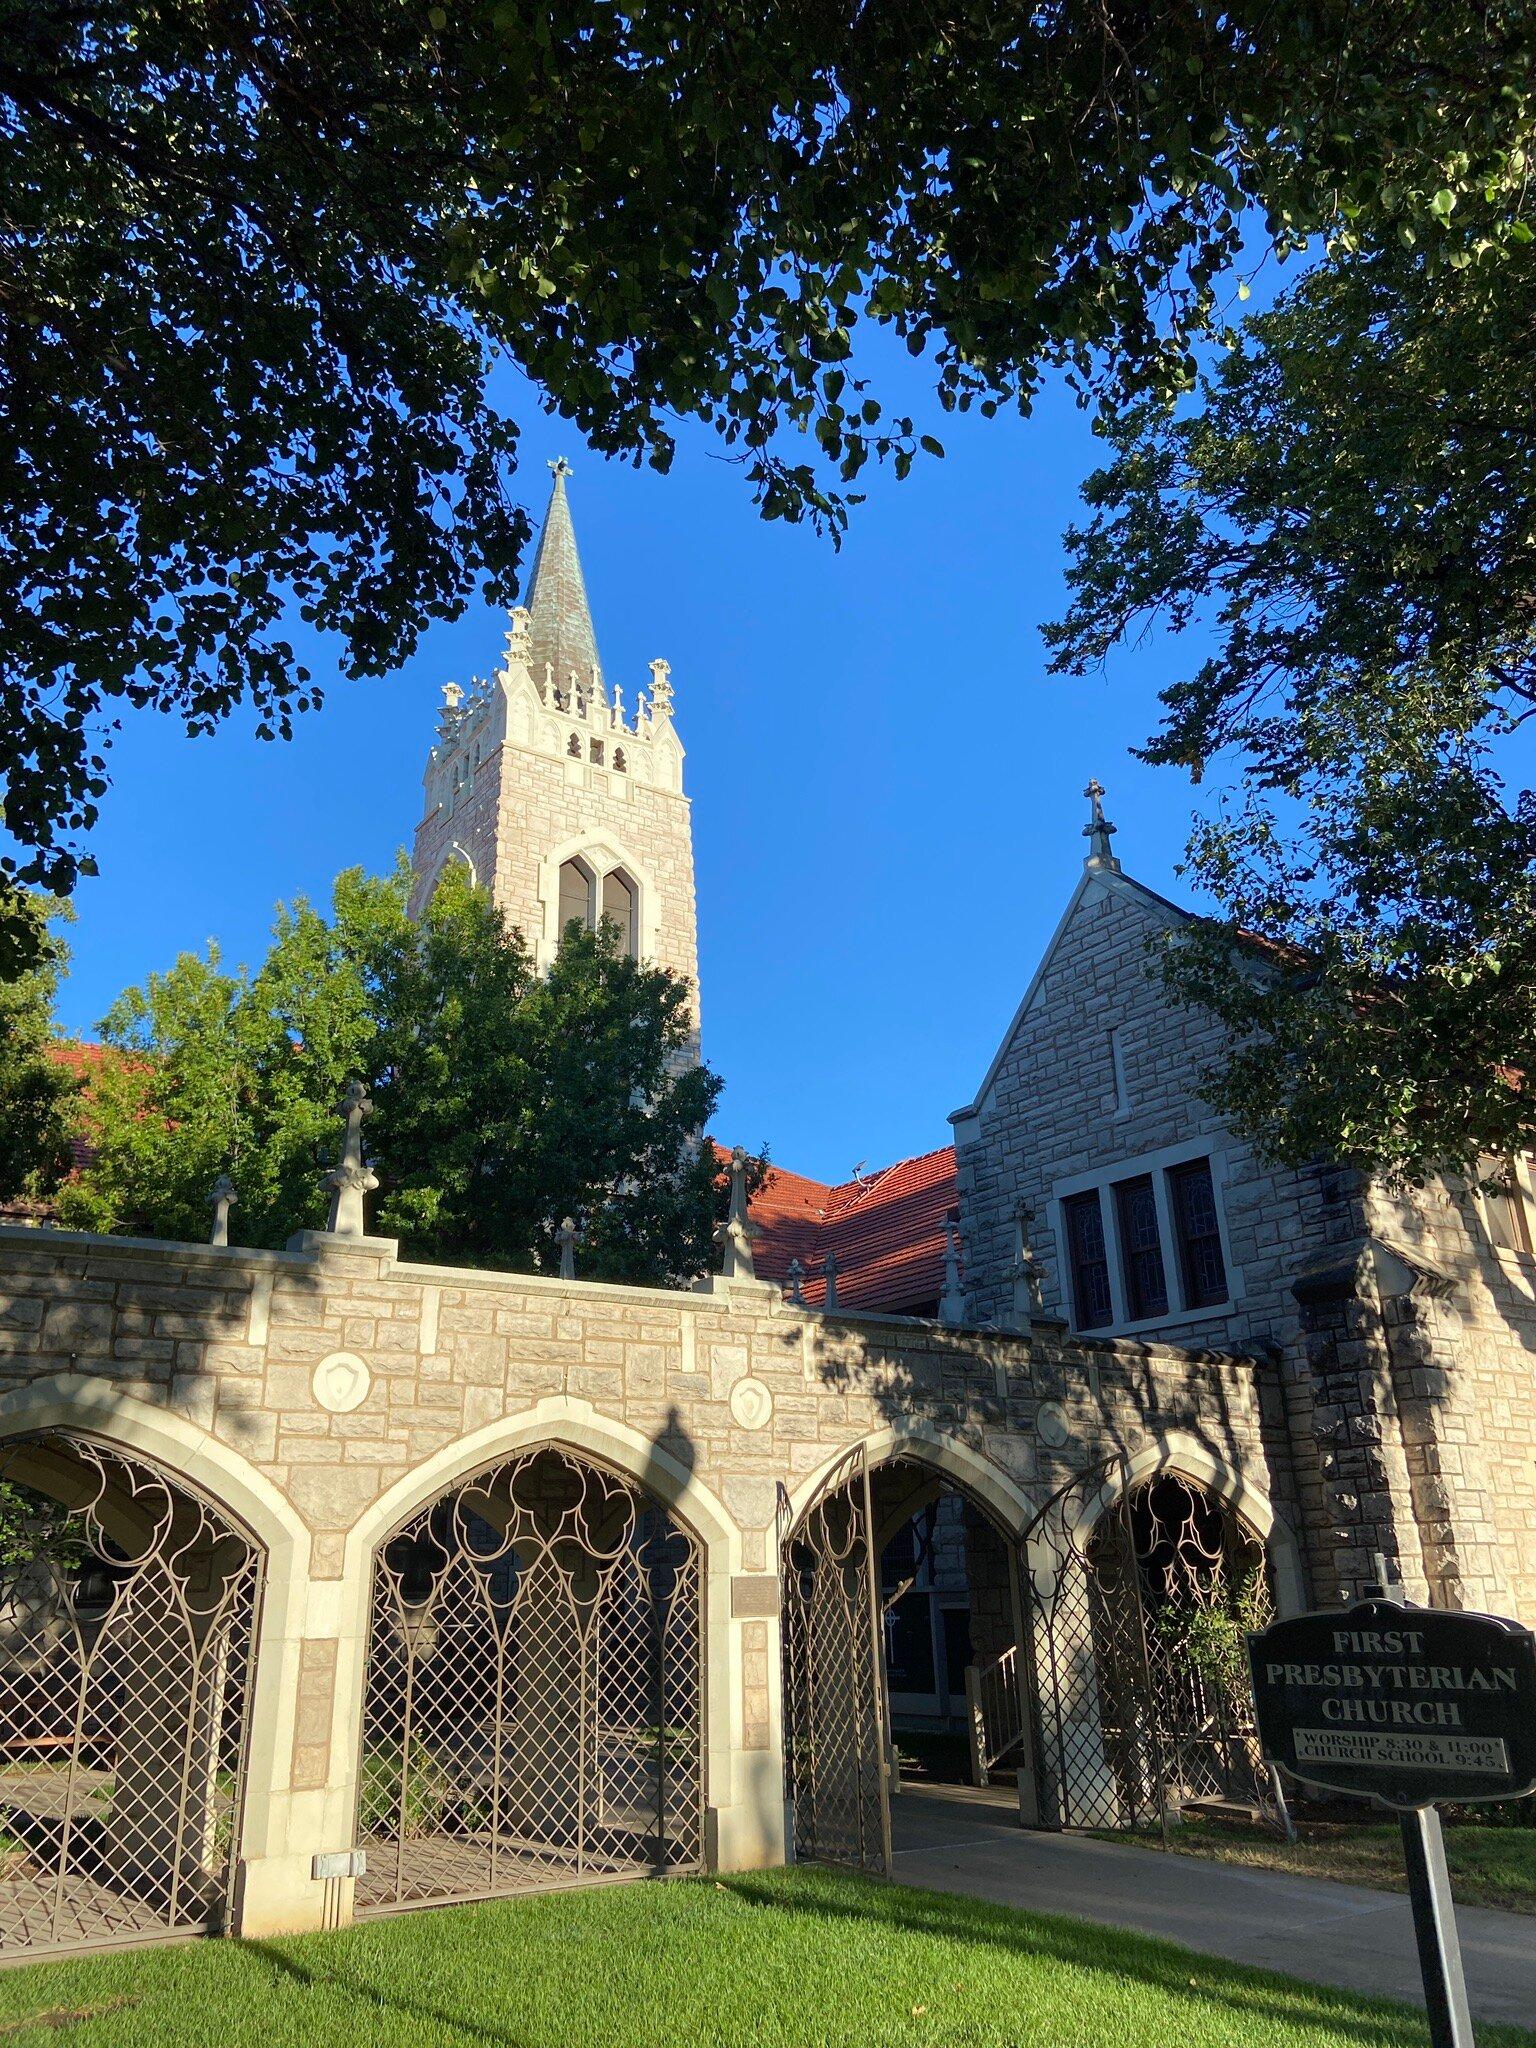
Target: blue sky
{"type": "Point", "coordinates": [887, 788]}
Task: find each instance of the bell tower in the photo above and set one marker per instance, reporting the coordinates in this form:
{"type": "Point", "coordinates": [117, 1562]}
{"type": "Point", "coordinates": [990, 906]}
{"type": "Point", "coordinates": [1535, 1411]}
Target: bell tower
{"type": "Point", "coordinates": [559, 798]}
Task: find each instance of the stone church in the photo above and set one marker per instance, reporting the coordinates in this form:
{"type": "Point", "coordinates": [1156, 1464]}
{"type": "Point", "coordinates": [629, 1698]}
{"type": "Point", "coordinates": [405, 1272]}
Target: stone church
{"type": "Point", "coordinates": [351, 1584]}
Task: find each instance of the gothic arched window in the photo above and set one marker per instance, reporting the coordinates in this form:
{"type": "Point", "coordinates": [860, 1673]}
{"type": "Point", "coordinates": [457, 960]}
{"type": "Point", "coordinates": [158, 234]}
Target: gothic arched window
{"type": "Point", "coordinates": [576, 894]}
{"type": "Point", "coordinates": [619, 907]}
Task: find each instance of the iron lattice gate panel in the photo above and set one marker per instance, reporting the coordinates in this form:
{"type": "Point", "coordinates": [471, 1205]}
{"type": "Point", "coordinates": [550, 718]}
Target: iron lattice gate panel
{"type": "Point", "coordinates": [127, 1614]}
{"type": "Point", "coordinates": [534, 1700]}
{"type": "Point", "coordinates": [1142, 1697]}
{"type": "Point", "coordinates": [835, 1734]}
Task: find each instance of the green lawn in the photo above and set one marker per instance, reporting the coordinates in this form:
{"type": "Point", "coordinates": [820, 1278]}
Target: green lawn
{"type": "Point", "coordinates": [1488, 1866]}
{"type": "Point", "coordinates": [788, 1959]}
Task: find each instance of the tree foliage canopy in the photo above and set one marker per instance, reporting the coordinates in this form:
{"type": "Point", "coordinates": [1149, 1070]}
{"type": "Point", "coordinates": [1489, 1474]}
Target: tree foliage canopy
{"type": "Point", "coordinates": [1350, 519]}
{"type": "Point", "coordinates": [36, 1091]}
{"type": "Point", "coordinates": [504, 1099]}
{"type": "Point", "coordinates": [259, 262]}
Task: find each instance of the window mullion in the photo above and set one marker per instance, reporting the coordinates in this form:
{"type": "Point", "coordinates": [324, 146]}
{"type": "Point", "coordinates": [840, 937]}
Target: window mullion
{"type": "Point", "coordinates": [1175, 1285]}
{"type": "Point", "coordinates": [1114, 1250]}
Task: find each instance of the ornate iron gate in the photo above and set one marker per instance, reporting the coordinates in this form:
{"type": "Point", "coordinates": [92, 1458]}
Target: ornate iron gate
{"type": "Point", "coordinates": [836, 1742]}
{"type": "Point", "coordinates": [533, 1713]}
{"type": "Point", "coordinates": [127, 1613]}
{"type": "Point", "coordinates": [1141, 1689]}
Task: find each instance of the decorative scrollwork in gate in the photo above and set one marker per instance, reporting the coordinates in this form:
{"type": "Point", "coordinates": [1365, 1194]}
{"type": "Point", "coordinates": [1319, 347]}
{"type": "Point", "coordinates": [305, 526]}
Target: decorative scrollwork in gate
{"type": "Point", "coordinates": [836, 1740]}
{"type": "Point", "coordinates": [1202, 1577]}
{"type": "Point", "coordinates": [127, 1613]}
{"type": "Point", "coordinates": [534, 1699]}
{"type": "Point", "coordinates": [1141, 1597]}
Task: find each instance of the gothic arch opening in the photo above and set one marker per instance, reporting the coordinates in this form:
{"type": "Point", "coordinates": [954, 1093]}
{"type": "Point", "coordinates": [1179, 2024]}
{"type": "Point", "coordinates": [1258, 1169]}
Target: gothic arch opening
{"type": "Point", "coordinates": [902, 1611]}
{"type": "Point", "coordinates": [1141, 1598]}
{"type": "Point", "coordinates": [533, 1708]}
{"type": "Point", "coordinates": [621, 909]}
{"type": "Point", "coordinates": [127, 1609]}
{"type": "Point", "coordinates": [577, 896]}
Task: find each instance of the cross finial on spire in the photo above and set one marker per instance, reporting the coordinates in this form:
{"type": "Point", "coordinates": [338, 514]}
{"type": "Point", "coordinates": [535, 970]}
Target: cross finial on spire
{"type": "Point", "coordinates": [1098, 831]}
{"type": "Point", "coordinates": [559, 617]}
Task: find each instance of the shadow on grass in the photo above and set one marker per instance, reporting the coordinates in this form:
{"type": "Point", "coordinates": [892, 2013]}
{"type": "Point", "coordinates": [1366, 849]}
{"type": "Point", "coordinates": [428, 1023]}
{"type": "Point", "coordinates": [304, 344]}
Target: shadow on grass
{"type": "Point", "coordinates": [1241, 1991]}
{"type": "Point", "coordinates": [371, 1991]}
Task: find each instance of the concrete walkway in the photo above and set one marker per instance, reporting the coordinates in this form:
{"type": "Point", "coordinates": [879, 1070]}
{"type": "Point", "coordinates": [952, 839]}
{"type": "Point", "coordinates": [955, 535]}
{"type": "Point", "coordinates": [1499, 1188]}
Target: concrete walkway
{"type": "Point", "coordinates": [952, 1838]}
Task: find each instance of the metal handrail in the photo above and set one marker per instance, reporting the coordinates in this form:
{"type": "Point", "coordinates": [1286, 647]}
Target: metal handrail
{"type": "Point", "coordinates": [994, 1712]}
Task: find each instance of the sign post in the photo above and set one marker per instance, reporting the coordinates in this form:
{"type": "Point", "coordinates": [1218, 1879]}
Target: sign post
{"type": "Point", "coordinates": [1434, 1929]}
{"type": "Point", "coordinates": [1406, 1706]}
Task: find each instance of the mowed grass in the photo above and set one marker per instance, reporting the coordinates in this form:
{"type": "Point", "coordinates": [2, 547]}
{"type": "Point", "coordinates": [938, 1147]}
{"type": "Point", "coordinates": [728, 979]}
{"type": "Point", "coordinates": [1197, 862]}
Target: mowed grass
{"type": "Point", "coordinates": [785, 1959]}
{"type": "Point", "coordinates": [1488, 1866]}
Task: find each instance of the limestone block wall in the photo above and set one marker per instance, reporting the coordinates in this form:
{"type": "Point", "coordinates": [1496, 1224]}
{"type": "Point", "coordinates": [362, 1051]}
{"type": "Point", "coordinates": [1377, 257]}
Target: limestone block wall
{"type": "Point", "coordinates": [321, 1396]}
{"type": "Point", "coordinates": [1460, 1334]}
{"type": "Point", "coordinates": [507, 796]}
{"type": "Point", "coordinates": [1099, 1070]}
{"type": "Point", "coordinates": [1401, 1418]}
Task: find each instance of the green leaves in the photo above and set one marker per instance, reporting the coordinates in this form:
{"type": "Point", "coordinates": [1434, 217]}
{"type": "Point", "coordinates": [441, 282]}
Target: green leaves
{"type": "Point", "coordinates": [1349, 521]}
{"type": "Point", "coordinates": [504, 1100]}
{"type": "Point", "coordinates": [259, 263]}
{"type": "Point", "coordinates": [36, 1089]}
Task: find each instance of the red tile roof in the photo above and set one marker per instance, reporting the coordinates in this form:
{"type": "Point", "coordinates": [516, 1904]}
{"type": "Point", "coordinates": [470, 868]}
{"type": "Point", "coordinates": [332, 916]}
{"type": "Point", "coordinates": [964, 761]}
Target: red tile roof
{"type": "Point", "coordinates": [886, 1229]}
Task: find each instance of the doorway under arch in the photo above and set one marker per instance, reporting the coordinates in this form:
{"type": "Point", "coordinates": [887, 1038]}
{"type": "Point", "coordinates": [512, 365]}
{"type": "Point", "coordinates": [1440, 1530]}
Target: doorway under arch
{"type": "Point", "coordinates": [128, 1606]}
{"type": "Point", "coordinates": [533, 1700]}
{"type": "Point", "coordinates": [900, 1588]}
{"type": "Point", "coordinates": [1141, 1594]}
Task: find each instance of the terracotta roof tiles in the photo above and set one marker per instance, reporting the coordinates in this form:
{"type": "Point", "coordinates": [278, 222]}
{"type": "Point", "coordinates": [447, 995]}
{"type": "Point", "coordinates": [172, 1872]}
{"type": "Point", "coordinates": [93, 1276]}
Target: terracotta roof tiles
{"type": "Point", "coordinates": [886, 1229]}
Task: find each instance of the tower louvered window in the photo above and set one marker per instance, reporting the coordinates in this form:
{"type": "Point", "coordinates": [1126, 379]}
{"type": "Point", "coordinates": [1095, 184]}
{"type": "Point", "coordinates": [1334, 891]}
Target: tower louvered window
{"type": "Point", "coordinates": [619, 909]}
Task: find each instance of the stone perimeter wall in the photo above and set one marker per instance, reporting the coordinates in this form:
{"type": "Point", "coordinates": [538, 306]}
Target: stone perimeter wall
{"type": "Point", "coordinates": [238, 1370]}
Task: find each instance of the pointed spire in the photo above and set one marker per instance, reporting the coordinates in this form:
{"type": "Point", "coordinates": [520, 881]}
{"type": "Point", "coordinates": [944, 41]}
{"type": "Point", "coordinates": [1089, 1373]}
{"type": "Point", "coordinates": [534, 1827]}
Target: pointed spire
{"type": "Point", "coordinates": [1098, 832]}
{"type": "Point", "coordinates": [560, 635]}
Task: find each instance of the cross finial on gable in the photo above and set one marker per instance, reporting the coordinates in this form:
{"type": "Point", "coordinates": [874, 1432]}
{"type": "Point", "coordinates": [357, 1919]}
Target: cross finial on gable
{"type": "Point", "coordinates": [1098, 831]}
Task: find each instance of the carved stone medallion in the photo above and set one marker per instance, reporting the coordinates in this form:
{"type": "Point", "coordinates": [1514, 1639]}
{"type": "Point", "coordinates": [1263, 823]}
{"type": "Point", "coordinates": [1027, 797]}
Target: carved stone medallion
{"type": "Point", "coordinates": [341, 1382]}
{"type": "Point", "coordinates": [1052, 1423]}
{"type": "Point", "coordinates": [751, 1403]}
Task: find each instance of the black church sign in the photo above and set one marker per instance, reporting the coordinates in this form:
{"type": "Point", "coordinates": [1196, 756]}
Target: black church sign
{"type": "Point", "coordinates": [1407, 1705]}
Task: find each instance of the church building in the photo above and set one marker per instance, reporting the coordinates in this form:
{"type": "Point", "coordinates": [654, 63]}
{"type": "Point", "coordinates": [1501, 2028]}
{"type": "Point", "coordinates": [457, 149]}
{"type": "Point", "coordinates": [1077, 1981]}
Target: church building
{"type": "Point", "coordinates": [349, 1583]}
{"type": "Point", "coordinates": [1088, 1182]}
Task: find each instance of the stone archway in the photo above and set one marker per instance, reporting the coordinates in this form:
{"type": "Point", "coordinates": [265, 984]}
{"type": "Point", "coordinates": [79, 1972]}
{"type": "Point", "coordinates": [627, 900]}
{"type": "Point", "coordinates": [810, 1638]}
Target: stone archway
{"type": "Point", "coordinates": [1144, 1579]}
{"type": "Point", "coordinates": [534, 1705]}
{"type": "Point", "coordinates": [128, 1605]}
{"type": "Point", "coordinates": [880, 1638]}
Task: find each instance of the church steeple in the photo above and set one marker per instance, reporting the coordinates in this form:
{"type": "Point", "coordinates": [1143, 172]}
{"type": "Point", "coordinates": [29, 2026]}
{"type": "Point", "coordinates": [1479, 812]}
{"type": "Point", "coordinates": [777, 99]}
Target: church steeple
{"type": "Point", "coordinates": [559, 798]}
{"type": "Point", "coordinates": [560, 632]}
